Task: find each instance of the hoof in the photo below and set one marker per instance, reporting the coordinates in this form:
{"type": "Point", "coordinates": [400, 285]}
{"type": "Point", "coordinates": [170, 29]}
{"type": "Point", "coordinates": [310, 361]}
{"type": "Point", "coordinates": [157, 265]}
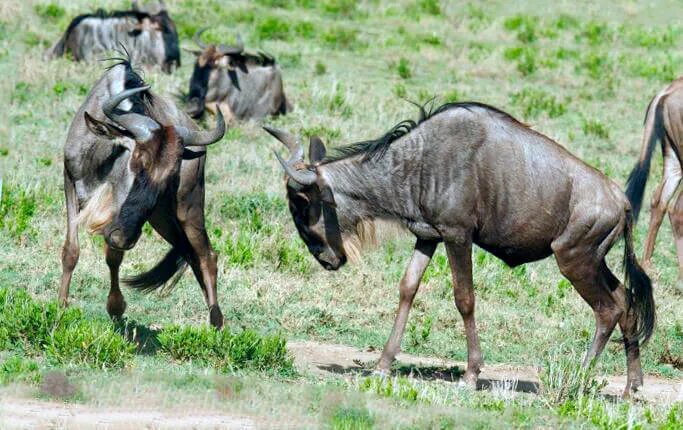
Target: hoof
{"type": "Point", "coordinates": [116, 306]}
{"type": "Point", "coordinates": [216, 317]}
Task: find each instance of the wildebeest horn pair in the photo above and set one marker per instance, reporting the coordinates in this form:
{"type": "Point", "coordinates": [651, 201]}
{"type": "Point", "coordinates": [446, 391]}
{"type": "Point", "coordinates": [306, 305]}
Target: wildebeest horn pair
{"type": "Point", "coordinates": [223, 49]}
{"type": "Point", "coordinates": [296, 156]}
{"type": "Point", "coordinates": [143, 127]}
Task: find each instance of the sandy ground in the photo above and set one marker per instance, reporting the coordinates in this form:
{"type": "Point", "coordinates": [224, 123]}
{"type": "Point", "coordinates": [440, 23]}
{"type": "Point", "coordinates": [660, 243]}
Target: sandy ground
{"type": "Point", "coordinates": [316, 358]}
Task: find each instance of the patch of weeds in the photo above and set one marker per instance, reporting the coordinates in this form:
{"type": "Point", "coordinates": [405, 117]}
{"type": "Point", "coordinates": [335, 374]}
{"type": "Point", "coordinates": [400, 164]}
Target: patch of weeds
{"type": "Point", "coordinates": [320, 68]}
{"type": "Point", "coordinates": [566, 22]}
{"type": "Point", "coordinates": [593, 127]}
{"type": "Point", "coordinates": [225, 350]}
{"type": "Point", "coordinates": [477, 18]}
{"type": "Point", "coordinates": [21, 93]}
{"type": "Point", "coordinates": [651, 37]}
{"type": "Point", "coordinates": [597, 65]}
{"type": "Point", "coordinates": [403, 68]}
{"type": "Point", "coordinates": [251, 209]}
{"type": "Point", "coordinates": [452, 96]}
{"type": "Point", "coordinates": [397, 387]}
{"type": "Point", "coordinates": [419, 336]}
{"type": "Point", "coordinates": [272, 28]}
{"type": "Point", "coordinates": [563, 378]}
{"type": "Point", "coordinates": [4, 152]}
{"type": "Point", "coordinates": [525, 26]}
{"type": "Point", "coordinates": [563, 53]}
{"type": "Point", "coordinates": [326, 133]}
{"type": "Point", "coordinates": [290, 59]}
{"type": "Point", "coordinates": [64, 336]}
{"type": "Point", "coordinates": [595, 33]}
{"type": "Point", "coordinates": [49, 11]}
{"type": "Point", "coordinates": [18, 369]}
{"type": "Point", "coordinates": [305, 30]}
{"type": "Point", "coordinates": [340, 37]}
{"type": "Point", "coordinates": [430, 7]}
{"type": "Point", "coordinates": [477, 51]}
{"type": "Point", "coordinates": [17, 207]}
{"type": "Point", "coordinates": [344, 8]}
{"type": "Point", "coordinates": [351, 418]}
{"type": "Point", "coordinates": [336, 102]}
{"type": "Point", "coordinates": [524, 56]}
{"type": "Point", "coordinates": [535, 102]}
{"type": "Point", "coordinates": [43, 161]}
{"type": "Point", "coordinates": [661, 68]}
{"type": "Point", "coordinates": [400, 91]}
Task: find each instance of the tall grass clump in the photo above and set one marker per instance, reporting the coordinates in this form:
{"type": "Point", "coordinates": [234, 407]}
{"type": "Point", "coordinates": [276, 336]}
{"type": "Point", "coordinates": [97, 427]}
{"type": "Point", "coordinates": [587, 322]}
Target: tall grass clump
{"type": "Point", "coordinates": [535, 102]}
{"type": "Point", "coordinates": [225, 350]}
{"type": "Point", "coordinates": [563, 378]}
{"type": "Point", "coordinates": [17, 207]}
{"type": "Point", "coordinates": [59, 336]}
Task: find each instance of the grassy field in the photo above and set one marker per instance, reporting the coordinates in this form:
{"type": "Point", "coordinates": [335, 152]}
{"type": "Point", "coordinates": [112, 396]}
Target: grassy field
{"type": "Point", "coordinates": [580, 72]}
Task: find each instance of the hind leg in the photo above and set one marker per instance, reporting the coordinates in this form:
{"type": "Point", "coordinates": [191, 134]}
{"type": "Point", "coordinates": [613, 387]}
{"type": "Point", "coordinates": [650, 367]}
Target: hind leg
{"type": "Point", "coordinates": [70, 250]}
{"type": "Point", "coordinates": [660, 201]}
{"type": "Point", "coordinates": [628, 327]}
{"type": "Point", "coordinates": [676, 218]}
{"type": "Point", "coordinates": [580, 252]}
{"type": "Point", "coordinates": [116, 305]}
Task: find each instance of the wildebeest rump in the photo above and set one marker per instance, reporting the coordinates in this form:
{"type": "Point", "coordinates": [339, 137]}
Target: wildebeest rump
{"type": "Point", "coordinates": [149, 36]}
{"type": "Point", "coordinates": [663, 124]}
{"type": "Point", "coordinates": [132, 157]}
{"type": "Point", "coordinates": [245, 84]}
{"type": "Point", "coordinates": [465, 174]}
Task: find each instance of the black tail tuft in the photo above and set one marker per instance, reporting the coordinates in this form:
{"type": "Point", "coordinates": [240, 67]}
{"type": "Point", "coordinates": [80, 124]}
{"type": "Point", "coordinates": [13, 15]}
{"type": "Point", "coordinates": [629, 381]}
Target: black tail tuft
{"type": "Point", "coordinates": [171, 266]}
{"type": "Point", "coordinates": [635, 186]}
{"type": "Point", "coordinates": [640, 297]}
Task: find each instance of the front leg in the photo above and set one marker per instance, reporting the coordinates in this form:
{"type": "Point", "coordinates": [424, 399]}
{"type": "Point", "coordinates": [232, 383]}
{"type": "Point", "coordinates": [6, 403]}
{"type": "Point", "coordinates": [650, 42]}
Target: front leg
{"type": "Point", "coordinates": [410, 282]}
{"type": "Point", "coordinates": [460, 260]}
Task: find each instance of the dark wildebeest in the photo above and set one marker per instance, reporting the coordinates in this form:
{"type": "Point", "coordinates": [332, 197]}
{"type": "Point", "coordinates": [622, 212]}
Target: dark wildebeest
{"type": "Point", "coordinates": [149, 35]}
{"type": "Point", "coordinates": [245, 85]}
{"type": "Point", "coordinates": [131, 157]}
{"type": "Point", "coordinates": [467, 173]}
{"type": "Point", "coordinates": [664, 124]}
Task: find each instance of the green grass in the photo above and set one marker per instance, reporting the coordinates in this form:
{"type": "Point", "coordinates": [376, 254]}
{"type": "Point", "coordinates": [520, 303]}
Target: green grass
{"type": "Point", "coordinates": [582, 75]}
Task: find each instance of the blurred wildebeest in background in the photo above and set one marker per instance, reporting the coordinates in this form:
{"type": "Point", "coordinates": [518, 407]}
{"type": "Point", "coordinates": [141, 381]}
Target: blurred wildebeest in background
{"type": "Point", "coordinates": [663, 124]}
{"type": "Point", "coordinates": [148, 34]}
{"type": "Point", "coordinates": [464, 174]}
{"type": "Point", "coordinates": [132, 157]}
{"type": "Point", "coordinates": [246, 84]}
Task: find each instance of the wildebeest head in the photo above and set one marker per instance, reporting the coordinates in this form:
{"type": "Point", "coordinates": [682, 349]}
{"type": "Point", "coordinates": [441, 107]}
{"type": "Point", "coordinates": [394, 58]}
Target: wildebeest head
{"type": "Point", "coordinates": [156, 153]}
{"type": "Point", "coordinates": [209, 58]}
{"type": "Point", "coordinates": [157, 18]}
{"type": "Point", "coordinates": [311, 201]}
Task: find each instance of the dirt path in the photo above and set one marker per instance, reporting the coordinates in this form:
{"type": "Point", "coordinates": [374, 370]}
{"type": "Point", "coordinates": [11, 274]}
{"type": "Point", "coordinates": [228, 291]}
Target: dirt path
{"type": "Point", "coordinates": [327, 359]}
{"type": "Point", "coordinates": [312, 357]}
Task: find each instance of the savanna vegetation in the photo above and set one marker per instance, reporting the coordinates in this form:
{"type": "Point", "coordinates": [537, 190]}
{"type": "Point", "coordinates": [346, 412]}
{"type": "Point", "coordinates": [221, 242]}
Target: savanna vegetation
{"type": "Point", "coordinates": [582, 73]}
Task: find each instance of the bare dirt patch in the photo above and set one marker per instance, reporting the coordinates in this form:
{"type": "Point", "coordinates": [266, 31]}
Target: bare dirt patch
{"type": "Point", "coordinates": [326, 359]}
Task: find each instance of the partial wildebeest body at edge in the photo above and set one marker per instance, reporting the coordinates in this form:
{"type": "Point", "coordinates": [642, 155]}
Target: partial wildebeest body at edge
{"type": "Point", "coordinates": [247, 84]}
{"type": "Point", "coordinates": [132, 157]}
{"type": "Point", "coordinates": [467, 174]}
{"type": "Point", "coordinates": [150, 38]}
{"type": "Point", "coordinates": [663, 124]}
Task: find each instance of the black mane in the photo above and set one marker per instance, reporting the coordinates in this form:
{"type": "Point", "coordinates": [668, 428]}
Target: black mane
{"type": "Point", "coordinates": [103, 14]}
{"type": "Point", "coordinates": [375, 149]}
{"type": "Point", "coordinates": [132, 80]}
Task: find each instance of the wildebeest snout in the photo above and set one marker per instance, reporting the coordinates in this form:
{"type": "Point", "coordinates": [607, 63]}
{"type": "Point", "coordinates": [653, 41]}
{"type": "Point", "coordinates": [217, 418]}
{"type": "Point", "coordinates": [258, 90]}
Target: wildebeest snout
{"type": "Point", "coordinates": [117, 238]}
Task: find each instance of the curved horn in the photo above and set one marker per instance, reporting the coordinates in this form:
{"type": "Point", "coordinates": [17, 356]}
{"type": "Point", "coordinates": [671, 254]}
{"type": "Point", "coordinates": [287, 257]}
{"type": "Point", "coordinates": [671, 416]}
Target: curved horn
{"type": "Point", "coordinates": [203, 138]}
{"type": "Point", "coordinates": [303, 177]}
{"type": "Point", "coordinates": [296, 149]}
{"type": "Point", "coordinates": [140, 126]}
{"type": "Point", "coordinates": [238, 48]}
{"type": "Point", "coordinates": [197, 37]}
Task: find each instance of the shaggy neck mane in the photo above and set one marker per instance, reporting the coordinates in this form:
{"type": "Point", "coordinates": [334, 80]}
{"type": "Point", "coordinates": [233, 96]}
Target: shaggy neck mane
{"type": "Point", "coordinates": [375, 149]}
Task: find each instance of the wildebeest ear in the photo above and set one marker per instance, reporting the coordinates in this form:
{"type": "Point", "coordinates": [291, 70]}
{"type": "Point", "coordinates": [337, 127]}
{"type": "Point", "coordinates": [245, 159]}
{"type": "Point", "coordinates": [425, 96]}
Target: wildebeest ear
{"type": "Point", "coordinates": [233, 78]}
{"type": "Point", "coordinates": [103, 129]}
{"type": "Point", "coordinates": [316, 149]}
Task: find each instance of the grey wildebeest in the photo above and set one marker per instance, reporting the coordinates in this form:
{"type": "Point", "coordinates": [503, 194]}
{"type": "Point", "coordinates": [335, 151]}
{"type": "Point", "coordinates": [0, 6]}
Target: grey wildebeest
{"type": "Point", "coordinates": [663, 124]}
{"type": "Point", "coordinates": [464, 174]}
{"type": "Point", "coordinates": [246, 85]}
{"type": "Point", "coordinates": [149, 35]}
{"type": "Point", "coordinates": [132, 157]}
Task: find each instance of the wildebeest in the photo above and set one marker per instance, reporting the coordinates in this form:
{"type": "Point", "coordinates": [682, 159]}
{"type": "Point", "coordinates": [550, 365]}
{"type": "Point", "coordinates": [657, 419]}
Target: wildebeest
{"type": "Point", "coordinates": [468, 173]}
{"type": "Point", "coordinates": [132, 157]}
{"type": "Point", "coordinates": [149, 35]}
{"type": "Point", "coordinates": [248, 85]}
{"type": "Point", "coordinates": [664, 124]}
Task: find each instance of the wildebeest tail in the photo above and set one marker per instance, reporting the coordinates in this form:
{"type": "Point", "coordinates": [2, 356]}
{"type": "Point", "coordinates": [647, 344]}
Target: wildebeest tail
{"type": "Point", "coordinates": [170, 268]}
{"type": "Point", "coordinates": [57, 50]}
{"type": "Point", "coordinates": [654, 132]}
{"type": "Point", "coordinates": [639, 286]}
